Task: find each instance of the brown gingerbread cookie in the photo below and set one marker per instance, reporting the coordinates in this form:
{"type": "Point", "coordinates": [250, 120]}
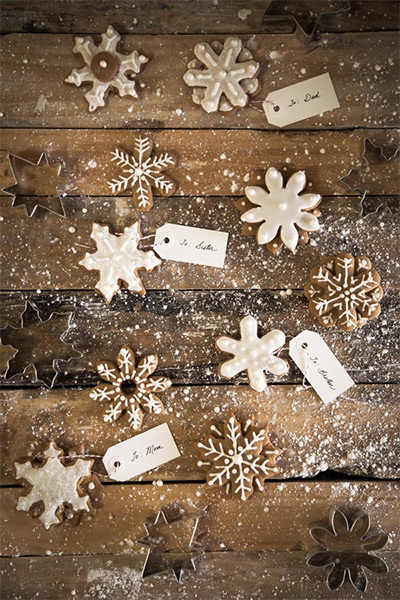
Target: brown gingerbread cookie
{"type": "Point", "coordinates": [345, 291]}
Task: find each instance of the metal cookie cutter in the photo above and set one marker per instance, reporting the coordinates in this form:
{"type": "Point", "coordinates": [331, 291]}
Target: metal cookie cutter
{"type": "Point", "coordinates": [304, 26]}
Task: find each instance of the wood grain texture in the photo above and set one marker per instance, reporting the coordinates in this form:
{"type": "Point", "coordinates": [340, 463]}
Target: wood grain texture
{"type": "Point", "coordinates": [267, 576]}
{"type": "Point", "coordinates": [181, 327]}
{"type": "Point", "coordinates": [277, 519]}
{"type": "Point", "coordinates": [179, 16]}
{"type": "Point", "coordinates": [35, 67]}
{"type": "Point", "coordinates": [313, 436]}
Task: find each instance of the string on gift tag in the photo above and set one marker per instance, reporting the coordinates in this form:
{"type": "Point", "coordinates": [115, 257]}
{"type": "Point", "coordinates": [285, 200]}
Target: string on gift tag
{"type": "Point", "coordinates": [275, 106]}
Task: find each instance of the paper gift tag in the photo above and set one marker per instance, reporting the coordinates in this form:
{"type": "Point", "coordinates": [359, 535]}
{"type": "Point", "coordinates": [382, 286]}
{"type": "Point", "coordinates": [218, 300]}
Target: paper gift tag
{"type": "Point", "coordinates": [141, 453]}
{"type": "Point", "coordinates": [191, 245]}
{"type": "Point", "coordinates": [319, 365]}
{"type": "Point", "coordinates": [300, 101]}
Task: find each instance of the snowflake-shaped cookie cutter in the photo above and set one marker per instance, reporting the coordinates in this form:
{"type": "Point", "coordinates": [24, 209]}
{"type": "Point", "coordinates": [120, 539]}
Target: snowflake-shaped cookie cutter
{"type": "Point", "coordinates": [51, 203]}
{"type": "Point", "coordinates": [105, 68]}
{"type": "Point", "coordinates": [130, 388]}
{"type": "Point", "coordinates": [283, 215]}
{"type": "Point", "coordinates": [142, 172]}
{"type": "Point", "coordinates": [253, 354]}
{"type": "Point", "coordinates": [305, 31]}
{"type": "Point", "coordinates": [55, 485]}
{"type": "Point", "coordinates": [347, 549]}
{"type": "Point", "coordinates": [163, 555]}
{"type": "Point", "coordinates": [24, 358]}
{"type": "Point", "coordinates": [227, 72]}
{"type": "Point", "coordinates": [238, 457]}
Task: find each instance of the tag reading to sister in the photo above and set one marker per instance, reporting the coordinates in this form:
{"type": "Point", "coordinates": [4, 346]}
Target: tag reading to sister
{"type": "Point", "coordinates": [319, 365]}
{"type": "Point", "coordinates": [301, 101]}
{"type": "Point", "coordinates": [141, 453]}
{"type": "Point", "coordinates": [191, 245]}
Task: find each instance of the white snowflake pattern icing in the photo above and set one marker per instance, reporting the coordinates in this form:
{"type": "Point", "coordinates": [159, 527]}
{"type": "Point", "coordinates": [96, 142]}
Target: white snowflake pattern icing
{"type": "Point", "coordinates": [226, 72]}
{"type": "Point", "coordinates": [282, 208]}
{"type": "Point", "coordinates": [141, 172]}
{"type": "Point", "coordinates": [54, 485]}
{"type": "Point", "coordinates": [347, 292]}
{"type": "Point", "coordinates": [233, 458]}
{"type": "Point", "coordinates": [118, 259]}
{"type": "Point", "coordinates": [253, 354]}
{"type": "Point", "coordinates": [105, 68]}
{"type": "Point", "coordinates": [143, 386]}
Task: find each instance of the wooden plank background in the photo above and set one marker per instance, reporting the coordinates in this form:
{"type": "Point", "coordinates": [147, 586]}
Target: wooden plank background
{"type": "Point", "coordinates": [344, 454]}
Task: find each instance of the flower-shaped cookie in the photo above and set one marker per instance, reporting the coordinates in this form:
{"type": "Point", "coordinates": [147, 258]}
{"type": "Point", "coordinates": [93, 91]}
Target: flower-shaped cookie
{"type": "Point", "coordinates": [129, 388]}
{"type": "Point", "coordinates": [347, 550]}
{"type": "Point", "coordinates": [344, 290]}
{"type": "Point", "coordinates": [282, 216]}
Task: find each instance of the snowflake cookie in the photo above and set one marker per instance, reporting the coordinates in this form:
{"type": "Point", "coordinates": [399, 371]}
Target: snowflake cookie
{"type": "Point", "coordinates": [129, 388]}
{"type": "Point", "coordinates": [344, 291]}
{"type": "Point", "coordinates": [282, 216]}
{"type": "Point", "coordinates": [105, 68]}
{"type": "Point", "coordinates": [238, 457]}
{"type": "Point", "coordinates": [227, 72]}
{"type": "Point", "coordinates": [55, 485]}
{"type": "Point", "coordinates": [142, 172]}
{"type": "Point", "coordinates": [118, 259]}
{"type": "Point", "coordinates": [253, 354]}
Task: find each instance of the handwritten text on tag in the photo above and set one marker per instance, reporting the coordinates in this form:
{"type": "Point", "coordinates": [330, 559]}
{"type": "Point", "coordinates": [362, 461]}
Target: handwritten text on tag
{"type": "Point", "coordinates": [141, 453]}
{"type": "Point", "coordinates": [300, 101]}
{"type": "Point", "coordinates": [319, 365]}
{"type": "Point", "coordinates": [191, 245]}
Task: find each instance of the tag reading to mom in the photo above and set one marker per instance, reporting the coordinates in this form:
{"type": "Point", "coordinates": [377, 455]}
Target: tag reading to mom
{"type": "Point", "coordinates": [300, 101]}
{"type": "Point", "coordinates": [141, 453]}
{"type": "Point", "coordinates": [191, 245]}
{"type": "Point", "coordinates": [319, 365]}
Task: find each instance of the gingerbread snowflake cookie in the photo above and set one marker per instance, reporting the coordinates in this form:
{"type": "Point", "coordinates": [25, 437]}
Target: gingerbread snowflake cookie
{"type": "Point", "coordinates": [105, 68]}
{"type": "Point", "coordinates": [55, 485]}
{"type": "Point", "coordinates": [223, 76]}
{"type": "Point", "coordinates": [344, 291]}
{"type": "Point", "coordinates": [118, 259]}
{"type": "Point", "coordinates": [142, 172]}
{"type": "Point", "coordinates": [238, 457]}
{"type": "Point", "coordinates": [253, 354]}
{"type": "Point", "coordinates": [130, 389]}
{"type": "Point", "coordinates": [282, 215]}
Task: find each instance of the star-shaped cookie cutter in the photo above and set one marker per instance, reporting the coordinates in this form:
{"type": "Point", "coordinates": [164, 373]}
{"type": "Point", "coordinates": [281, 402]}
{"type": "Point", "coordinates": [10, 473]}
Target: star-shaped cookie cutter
{"type": "Point", "coordinates": [279, 23]}
{"type": "Point", "coordinates": [165, 559]}
{"type": "Point", "coordinates": [6, 334]}
{"type": "Point", "coordinates": [52, 203]}
{"type": "Point", "coordinates": [377, 155]}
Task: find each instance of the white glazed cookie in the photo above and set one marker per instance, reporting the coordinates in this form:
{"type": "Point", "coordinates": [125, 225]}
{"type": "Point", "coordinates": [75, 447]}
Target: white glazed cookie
{"type": "Point", "coordinates": [118, 258]}
{"type": "Point", "coordinates": [227, 72]}
{"type": "Point", "coordinates": [282, 216]}
{"type": "Point", "coordinates": [105, 68]}
{"type": "Point", "coordinates": [54, 485]}
{"type": "Point", "coordinates": [253, 354]}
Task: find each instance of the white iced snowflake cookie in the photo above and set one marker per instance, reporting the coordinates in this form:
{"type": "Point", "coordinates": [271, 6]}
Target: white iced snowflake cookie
{"type": "Point", "coordinates": [105, 68]}
{"type": "Point", "coordinates": [227, 72]}
{"type": "Point", "coordinates": [54, 485]}
{"type": "Point", "coordinates": [283, 216]}
{"type": "Point", "coordinates": [253, 354]}
{"type": "Point", "coordinates": [118, 259]}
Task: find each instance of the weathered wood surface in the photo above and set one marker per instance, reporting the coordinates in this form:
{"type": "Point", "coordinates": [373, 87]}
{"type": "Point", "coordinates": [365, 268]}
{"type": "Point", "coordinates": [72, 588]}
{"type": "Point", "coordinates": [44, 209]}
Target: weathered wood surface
{"type": "Point", "coordinates": [35, 66]}
{"type": "Point", "coordinates": [63, 242]}
{"type": "Point", "coordinates": [181, 16]}
{"type": "Point", "coordinates": [248, 576]}
{"type": "Point", "coordinates": [182, 327]}
{"type": "Point", "coordinates": [314, 437]}
{"type": "Point", "coordinates": [277, 519]}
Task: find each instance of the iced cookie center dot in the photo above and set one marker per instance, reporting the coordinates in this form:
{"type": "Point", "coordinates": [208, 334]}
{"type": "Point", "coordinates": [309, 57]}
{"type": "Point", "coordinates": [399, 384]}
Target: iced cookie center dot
{"type": "Point", "coordinates": [237, 459]}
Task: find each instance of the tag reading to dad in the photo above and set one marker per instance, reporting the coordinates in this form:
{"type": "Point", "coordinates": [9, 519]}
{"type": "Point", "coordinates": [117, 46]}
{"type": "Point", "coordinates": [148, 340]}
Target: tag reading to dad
{"type": "Point", "coordinates": [300, 101]}
{"type": "Point", "coordinates": [141, 453]}
{"type": "Point", "coordinates": [319, 365]}
{"type": "Point", "coordinates": [191, 245]}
